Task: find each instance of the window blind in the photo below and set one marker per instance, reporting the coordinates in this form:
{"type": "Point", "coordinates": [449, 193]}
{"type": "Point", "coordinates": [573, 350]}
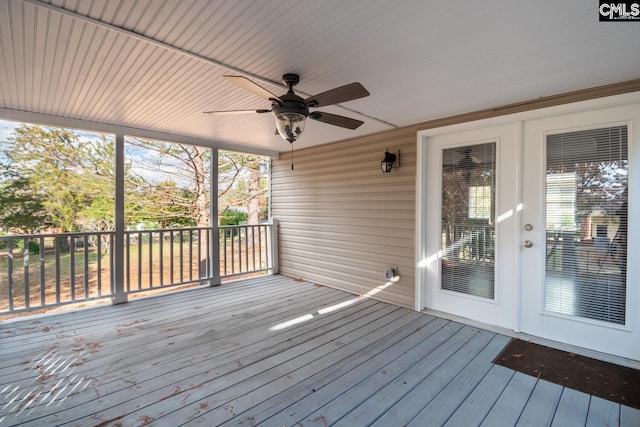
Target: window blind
{"type": "Point", "coordinates": [586, 222]}
{"type": "Point", "coordinates": [468, 226]}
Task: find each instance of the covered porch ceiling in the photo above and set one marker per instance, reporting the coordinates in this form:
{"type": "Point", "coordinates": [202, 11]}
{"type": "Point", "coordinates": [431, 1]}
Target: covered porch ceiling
{"type": "Point", "coordinates": [152, 67]}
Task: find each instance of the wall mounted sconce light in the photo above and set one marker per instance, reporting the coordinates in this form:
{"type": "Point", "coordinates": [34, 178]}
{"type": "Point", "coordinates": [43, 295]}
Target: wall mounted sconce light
{"type": "Point", "coordinates": [390, 161]}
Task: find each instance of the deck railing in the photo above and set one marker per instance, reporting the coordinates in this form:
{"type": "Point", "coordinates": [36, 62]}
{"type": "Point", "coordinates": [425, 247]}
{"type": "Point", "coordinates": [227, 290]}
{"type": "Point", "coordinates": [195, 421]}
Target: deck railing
{"type": "Point", "coordinates": [47, 270]}
{"type": "Point", "coordinates": [469, 242]}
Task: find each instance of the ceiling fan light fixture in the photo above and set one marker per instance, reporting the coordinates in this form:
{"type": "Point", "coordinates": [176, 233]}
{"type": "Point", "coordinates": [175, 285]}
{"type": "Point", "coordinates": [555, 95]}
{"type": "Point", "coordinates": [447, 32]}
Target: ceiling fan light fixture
{"type": "Point", "coordinates": [290, 125]}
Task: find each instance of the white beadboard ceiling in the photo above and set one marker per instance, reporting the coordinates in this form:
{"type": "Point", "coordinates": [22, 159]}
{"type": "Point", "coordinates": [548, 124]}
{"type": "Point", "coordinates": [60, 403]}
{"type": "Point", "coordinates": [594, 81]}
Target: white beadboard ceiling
{"type": "Point", "coordinates": [156, 65]}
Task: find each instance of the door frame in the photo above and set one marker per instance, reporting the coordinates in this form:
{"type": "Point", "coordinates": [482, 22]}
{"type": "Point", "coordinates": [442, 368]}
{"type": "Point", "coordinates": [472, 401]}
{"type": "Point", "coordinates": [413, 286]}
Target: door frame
{"type": "Point", "coordinates": [421, 255]}
{"type": "Point", "coordinates": [537, 320]}
{"type": "Point", "coordinates": [498, 310]}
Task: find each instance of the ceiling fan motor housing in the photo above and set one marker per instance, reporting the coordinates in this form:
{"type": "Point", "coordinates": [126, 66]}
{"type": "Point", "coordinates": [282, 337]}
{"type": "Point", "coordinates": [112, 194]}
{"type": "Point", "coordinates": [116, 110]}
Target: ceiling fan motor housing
{"type": "Point", "coordinates": [290, 103]}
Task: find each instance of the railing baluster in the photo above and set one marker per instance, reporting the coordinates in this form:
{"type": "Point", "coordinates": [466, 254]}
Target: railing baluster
{"type": "Point", "coordinates": [181, 252]}
{"type": "Point", "coordinates": [171, 236]}
{"type": "Point", "coordinates": [72, 265]}
{"type": "Point", "coordinates": [208, 252]}
{"type": "Point", "coordinates": [85, 247]}
{"type": "Point", "coordinates": [25, 264]}
{"type": "Point", "coordinates": [112, 276]}
{"type": "Point", "coordinates": [10, 272]}
{"type": "Point", "coordinates": [127, 261]}
{"type": "Point", "coordinates": [224, 251]}
{"type": "Point", "coordinates": [260, 228]}
{"type": "Point", "coordinates": [238, 262]}
{"type": "Point", "coordinates": [140, 246]}
{"type": "Point", "coordinates": [199, 254]}
{"type": "Point", "coordinates": [99, 249]}
{"type": "Point", "coordinates": [85, 267]}
{"type": "Point", "coordinates": [253, 245]}
{"type": "Point", "coordinates": [150, 259]}
{"type": "Point", "coordinates": [233, 252]}
{"type": "Point", "coordinates": [43, 271]}
{"type": "Point", "coordinates": [58, 243]}
{"type": "Point", "coordinates": [246, 248]}
{"type": "Point", "coordinates": [269, 246]}
{"type": "Point", "coordinates": [161, 256]}
{"type": "Point", "coordinates": [190, 255]}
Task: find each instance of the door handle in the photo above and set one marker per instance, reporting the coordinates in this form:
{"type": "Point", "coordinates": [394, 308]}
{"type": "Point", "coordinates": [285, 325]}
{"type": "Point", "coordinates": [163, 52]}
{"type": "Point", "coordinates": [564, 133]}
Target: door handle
{"type": "Point", "coordinates": [527, 243]}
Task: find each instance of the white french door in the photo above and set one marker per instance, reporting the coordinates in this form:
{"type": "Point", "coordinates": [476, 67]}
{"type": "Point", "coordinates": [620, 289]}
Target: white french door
{"type": "Point", "coordinates": [469, 248]}
{"type": "Point", "coordinates": [578, 279]}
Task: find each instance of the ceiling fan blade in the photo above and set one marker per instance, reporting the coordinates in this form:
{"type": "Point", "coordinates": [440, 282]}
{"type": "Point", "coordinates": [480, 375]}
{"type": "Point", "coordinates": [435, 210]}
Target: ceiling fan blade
{"type": "Point", "coordinates": [236, 112]}
{"type": "Point", "coordinates": [338, 95]}
{"type": "Point", "coordinates": [333, 119]}
{"type": "Point", "coordinates": [251, 86]}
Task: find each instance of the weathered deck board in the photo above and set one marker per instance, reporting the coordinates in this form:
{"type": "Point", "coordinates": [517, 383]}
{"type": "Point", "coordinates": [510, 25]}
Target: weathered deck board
{"type": "Point", "coordinates": [480, 401]}
{"type": "Point", "coordinates": [210, 356]}
{"type": "Point", "coordinates": [602, 413]}
{"type": "Point", "coordinates": [572, 409]}
{"type": "Point", "coordinates": [318, 390]}
{"type": "Point", "coordinates": [417, 385]}
{"type": "Point", "coordinates": [161, 341]}
{"type": "Point", "coordinates": [542, 404]}
{"type": "Point", "coordinates": [629, 416]}
{"type": "Point", "coordinates": [453, 394]}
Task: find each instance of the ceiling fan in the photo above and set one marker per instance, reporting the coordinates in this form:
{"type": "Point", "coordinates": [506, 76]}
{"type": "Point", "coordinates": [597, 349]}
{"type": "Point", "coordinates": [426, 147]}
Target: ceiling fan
{"type": "Point", "coordinates": [291, 110]}
{"type": "Point", "coordinates": [466, 160]}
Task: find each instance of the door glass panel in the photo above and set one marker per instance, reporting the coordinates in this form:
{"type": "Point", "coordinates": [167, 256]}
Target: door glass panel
{"type": "Point", "coordinates": [468, 225]}
{"type": "Point", "coordinates": [586, 222]}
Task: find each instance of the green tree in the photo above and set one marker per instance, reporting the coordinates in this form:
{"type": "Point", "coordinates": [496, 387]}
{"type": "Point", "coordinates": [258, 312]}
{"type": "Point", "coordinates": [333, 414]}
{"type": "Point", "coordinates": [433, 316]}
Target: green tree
{"type": "Point", "coordinates": [48, 163]}
{"type": "Point", "coordinates": [20, 207]}
{"type": "Point", "coordinates": [183, 197]}
{"type": "Point", "coordinates": [243, 182]}
{"type": "Point", "coordinates": [232, 217]}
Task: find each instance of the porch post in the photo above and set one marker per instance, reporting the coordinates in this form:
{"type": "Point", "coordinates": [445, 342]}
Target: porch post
{"type": "Point", "coordinates": [117, 278]}
{"type": "Point", "coordinates": [275, 267]}
{"type": "Point", "coordinates": [214, 260]}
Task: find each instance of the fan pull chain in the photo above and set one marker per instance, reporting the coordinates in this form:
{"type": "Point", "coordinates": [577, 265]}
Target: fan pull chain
{"type": "Point", "coordinates": [291, 156]}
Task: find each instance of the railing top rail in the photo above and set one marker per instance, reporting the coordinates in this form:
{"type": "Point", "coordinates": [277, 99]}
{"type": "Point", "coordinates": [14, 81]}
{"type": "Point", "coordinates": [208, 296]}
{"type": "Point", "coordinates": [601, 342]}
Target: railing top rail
{"type": "Point", "coordinates": [49, 235]}
{"type": "Point", "coordinates": [245, 225]}
{"type": "Point", "coordinates": [158, 230]}
{"type": "Point", "coordinates": [90, 233]}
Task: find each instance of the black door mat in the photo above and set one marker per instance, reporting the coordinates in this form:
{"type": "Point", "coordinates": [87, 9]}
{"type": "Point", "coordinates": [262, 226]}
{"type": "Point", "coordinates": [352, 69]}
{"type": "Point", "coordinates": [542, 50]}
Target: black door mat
{"type": "Point", "coordinates": [606, 380]}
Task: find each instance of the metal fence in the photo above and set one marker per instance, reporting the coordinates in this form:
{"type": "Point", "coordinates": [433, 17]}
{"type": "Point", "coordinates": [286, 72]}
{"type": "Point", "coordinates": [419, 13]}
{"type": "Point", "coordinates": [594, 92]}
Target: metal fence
{"type": "Point", "coordinates": [47, 270]}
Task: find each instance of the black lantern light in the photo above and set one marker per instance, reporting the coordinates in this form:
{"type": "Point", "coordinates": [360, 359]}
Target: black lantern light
{"type": "Point", "coordinates": [387, 163]}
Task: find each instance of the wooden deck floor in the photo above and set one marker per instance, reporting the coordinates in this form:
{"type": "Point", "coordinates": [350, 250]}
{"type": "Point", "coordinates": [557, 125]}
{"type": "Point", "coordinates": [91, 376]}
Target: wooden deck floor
{"type": "Point", "coordinates": [275, 352]}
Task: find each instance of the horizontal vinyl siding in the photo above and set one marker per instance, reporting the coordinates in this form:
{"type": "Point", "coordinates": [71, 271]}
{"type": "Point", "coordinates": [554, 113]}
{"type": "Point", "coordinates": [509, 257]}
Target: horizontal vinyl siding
{"type": "Point", "coordinates": [342, 221]}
